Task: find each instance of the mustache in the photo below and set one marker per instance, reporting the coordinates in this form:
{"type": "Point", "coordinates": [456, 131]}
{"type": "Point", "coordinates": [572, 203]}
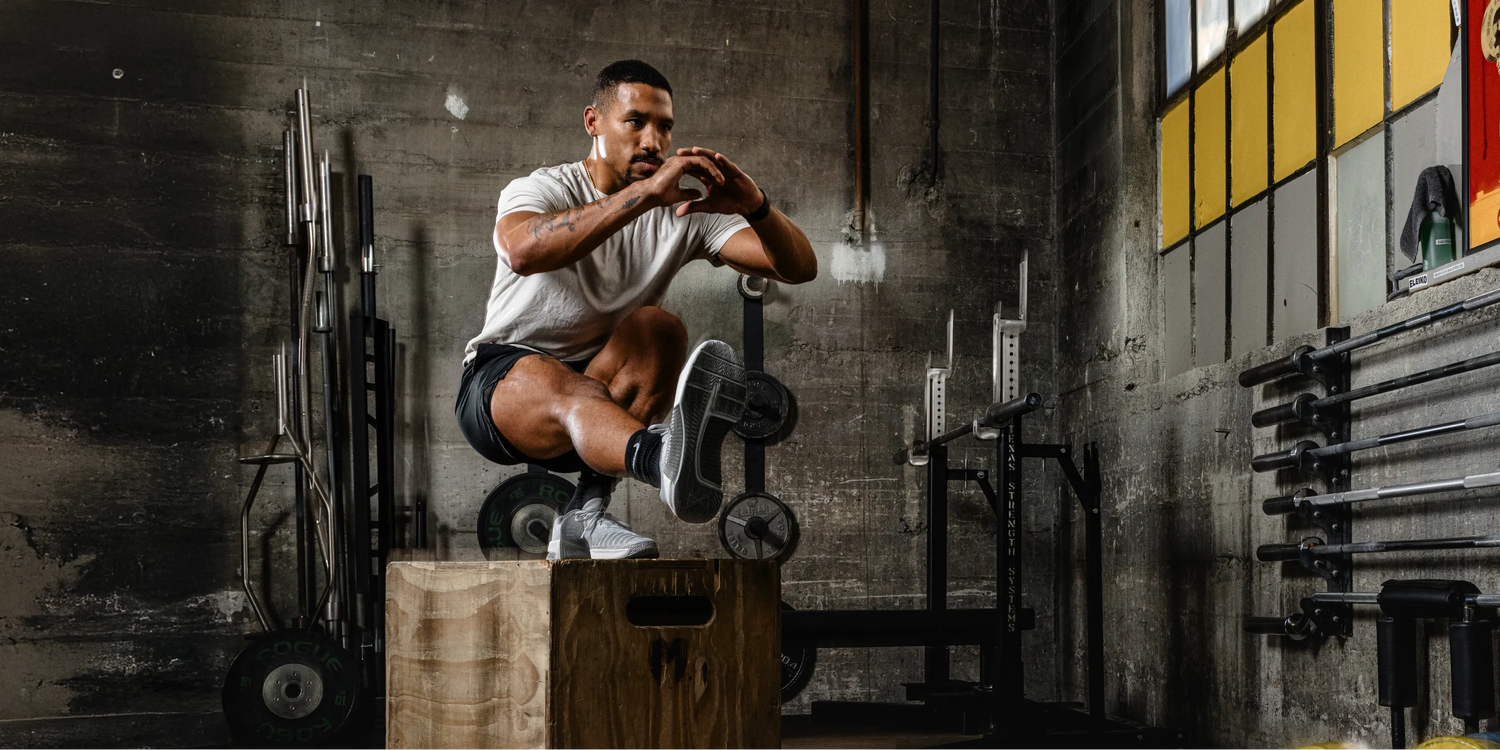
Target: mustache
{"type": "Point", "coordinates": [646, 158]}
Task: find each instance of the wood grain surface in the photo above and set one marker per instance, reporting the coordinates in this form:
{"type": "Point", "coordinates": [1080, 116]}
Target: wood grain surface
{"type": "Point", "coordinates": [615, 684]}
{"type": "Point", "coordinates": [467, 654]}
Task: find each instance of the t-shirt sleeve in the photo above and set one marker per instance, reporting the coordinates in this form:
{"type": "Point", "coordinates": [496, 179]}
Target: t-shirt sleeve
{"type": "Point", "coordinates": [535, 192]}
{"type": "Point", "coordinates": [714, 231]}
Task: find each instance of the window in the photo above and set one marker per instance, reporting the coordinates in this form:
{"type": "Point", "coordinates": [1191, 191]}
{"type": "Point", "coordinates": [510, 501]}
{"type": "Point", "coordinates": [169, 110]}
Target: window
{"type": "Point", "coordinates": [1291, 136]}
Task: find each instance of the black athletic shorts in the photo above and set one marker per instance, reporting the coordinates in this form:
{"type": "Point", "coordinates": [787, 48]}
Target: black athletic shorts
{"type": "Point", "coordinates": [489, 366]}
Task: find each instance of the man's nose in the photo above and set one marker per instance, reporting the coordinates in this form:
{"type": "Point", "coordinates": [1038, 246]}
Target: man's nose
{"type": "Point", "coordinates": [652, 139]}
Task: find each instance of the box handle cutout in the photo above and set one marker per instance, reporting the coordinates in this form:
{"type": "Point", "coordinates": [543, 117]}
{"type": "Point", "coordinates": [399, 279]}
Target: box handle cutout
{"type": "Point", "coordinates": [669, 611]}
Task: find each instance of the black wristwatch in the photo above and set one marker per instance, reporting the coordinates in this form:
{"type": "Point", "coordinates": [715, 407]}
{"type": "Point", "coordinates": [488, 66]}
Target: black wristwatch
{"type": "Point", "coordinates": [763, 211]}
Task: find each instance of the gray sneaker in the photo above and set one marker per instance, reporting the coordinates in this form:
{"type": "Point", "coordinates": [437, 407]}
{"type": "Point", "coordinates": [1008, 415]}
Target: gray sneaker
{"type": "Point", "coordinates": [589, 532]}
{"type": "Point", "coordinates": [710, 400]}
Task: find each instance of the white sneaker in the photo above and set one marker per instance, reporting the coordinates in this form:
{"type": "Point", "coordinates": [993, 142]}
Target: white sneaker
{"type": "Point", "coordinates": [591, 533]}
{"type": "Point", "coordinates": [710, 400]}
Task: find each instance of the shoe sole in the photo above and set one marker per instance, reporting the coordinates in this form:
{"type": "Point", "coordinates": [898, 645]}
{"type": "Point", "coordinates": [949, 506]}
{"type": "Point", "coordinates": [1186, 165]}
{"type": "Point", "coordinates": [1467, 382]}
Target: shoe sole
{"type": "Point", "coordinates": [640, 552]}
{"type": "Point", "coordinates": [710, 401]}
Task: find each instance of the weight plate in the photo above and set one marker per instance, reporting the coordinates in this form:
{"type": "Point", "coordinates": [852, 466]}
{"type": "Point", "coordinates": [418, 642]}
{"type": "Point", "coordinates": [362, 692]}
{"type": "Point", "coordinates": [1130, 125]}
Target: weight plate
{"type": "Point", "coordinates": [291, 688]}
{"type": "Point", "coordinates": [510, 513]}
{"type": "Point", "coordinates": [531, 526]}
{"type": "Point", "coordinates": [758, 526]}
{"type": "Point", "coordinates": [766, 407]}
{"type": "Point", "coordinates": [752, 287]}
{"type": "Point", "coordinates": [797, 664]}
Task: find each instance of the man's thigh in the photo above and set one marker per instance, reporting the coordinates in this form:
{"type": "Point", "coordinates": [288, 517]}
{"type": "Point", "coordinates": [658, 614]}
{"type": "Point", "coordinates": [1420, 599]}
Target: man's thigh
{"type": "Point", "coordinates": [529, 404]}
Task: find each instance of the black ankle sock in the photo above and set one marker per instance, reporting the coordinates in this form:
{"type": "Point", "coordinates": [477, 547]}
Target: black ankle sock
{"type": "Point", "coordinates": [643, 457]}
{"type": "Point", "coordinates": [591, 484]}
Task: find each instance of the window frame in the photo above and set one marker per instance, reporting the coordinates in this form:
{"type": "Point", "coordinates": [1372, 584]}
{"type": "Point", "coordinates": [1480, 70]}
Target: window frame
{"type": "Point", "coordinates": [1234, 43]}
{"type": "Point", "coordinates": [1325, 152]}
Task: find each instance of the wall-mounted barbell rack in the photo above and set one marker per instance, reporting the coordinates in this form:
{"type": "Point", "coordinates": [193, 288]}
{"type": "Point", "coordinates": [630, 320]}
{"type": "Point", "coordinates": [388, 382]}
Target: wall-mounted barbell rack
{"type": "Point", "coordinates": [1331, 612]}
{"type": "Point", "coordinates": [1332, 557]}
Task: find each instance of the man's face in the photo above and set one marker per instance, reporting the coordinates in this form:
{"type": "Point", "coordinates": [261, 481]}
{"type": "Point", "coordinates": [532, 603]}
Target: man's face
{"type": "Point", "coordinates": [632, 130]}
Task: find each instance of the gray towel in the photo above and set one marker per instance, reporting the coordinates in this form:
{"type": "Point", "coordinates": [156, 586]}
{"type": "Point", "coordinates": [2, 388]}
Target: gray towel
{"type": "Point", "coordinates": [1435, 192]}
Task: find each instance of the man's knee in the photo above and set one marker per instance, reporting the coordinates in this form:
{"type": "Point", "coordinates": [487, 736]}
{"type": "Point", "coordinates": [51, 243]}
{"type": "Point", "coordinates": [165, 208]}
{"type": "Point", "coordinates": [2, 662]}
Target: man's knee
{"type": "Point", "coordinates": [660, 325]}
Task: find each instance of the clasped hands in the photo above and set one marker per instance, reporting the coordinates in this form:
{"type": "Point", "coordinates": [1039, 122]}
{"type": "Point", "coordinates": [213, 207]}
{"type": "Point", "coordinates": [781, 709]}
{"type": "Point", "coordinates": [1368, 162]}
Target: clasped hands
{"type": "Point", "coordinates": [730, 190]}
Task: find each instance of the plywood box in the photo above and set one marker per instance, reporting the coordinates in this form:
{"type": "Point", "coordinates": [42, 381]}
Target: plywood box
{"type": "Point", "coordinates": [583, 653]}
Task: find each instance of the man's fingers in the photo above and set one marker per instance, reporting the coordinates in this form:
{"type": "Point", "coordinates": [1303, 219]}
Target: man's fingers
{"type": "Point", "coordinates": [706, 206]}
{"type": "Point", "coordinates": [710, 168]}
{"type": "Point", "coordinates": [686, 194]}
{"type": "Point", "coordinates": [729, 168]}
{"type": "Point", "coordinates": [704, 169]}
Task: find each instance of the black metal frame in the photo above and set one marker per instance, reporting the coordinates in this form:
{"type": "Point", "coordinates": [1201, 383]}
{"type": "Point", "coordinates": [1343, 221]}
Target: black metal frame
{"type": "Point", "coordinates": [997, 705]}
{"type": "Point", "coordinates": [1333, 373]}
{"type": "Point", "coordinates": [372, 347]}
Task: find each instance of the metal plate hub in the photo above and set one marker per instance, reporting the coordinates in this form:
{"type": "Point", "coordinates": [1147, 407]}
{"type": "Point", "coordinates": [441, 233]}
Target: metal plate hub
{"type": "Point", "coordinates": [292, 691]}
{"type": "Point", "coordinates": [758, 526]}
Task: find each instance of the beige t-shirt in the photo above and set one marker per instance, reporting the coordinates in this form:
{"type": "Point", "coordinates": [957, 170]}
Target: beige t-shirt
{"type": "Point", "coordinates": [570, 313]}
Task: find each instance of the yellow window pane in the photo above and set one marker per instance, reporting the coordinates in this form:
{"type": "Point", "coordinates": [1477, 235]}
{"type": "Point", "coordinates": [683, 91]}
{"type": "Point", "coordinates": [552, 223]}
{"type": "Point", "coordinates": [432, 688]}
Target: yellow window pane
{"type": "Point", "coordinates": [1174, 174]}
{"type": "Point", "coordinates": [1296, 110]}
{"type": "Point", "coordinates": [1247, 121]}
{"type": "Point", "coordinates": [1358, 67]}
{"type": "Point", "coordinates": [1420, 32]}
{"type": "Point", "coordinates": [1209, 156]}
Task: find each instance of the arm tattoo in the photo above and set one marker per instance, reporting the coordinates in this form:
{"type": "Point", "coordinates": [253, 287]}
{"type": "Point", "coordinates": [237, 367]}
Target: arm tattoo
{"type": "Point", "coordinates": [551, 222]}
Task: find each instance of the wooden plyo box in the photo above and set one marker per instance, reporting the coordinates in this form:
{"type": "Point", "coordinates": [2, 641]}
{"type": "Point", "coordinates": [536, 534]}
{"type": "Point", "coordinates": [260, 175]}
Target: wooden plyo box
{"type": "Point", "coordinates": [583, 653]}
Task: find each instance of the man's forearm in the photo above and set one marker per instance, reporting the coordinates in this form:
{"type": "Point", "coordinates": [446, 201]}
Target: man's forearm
{"type": "Point", "coordinates": [787, 248]}
{"type": "Point", "coordinates": [547, 242]}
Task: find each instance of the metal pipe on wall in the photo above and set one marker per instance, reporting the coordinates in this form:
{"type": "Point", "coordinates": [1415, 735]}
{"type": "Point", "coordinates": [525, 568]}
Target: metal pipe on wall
{"type": "Point", "coordinates": [934, 57]}
{"type": "Point", "coordinates": [862, 120]}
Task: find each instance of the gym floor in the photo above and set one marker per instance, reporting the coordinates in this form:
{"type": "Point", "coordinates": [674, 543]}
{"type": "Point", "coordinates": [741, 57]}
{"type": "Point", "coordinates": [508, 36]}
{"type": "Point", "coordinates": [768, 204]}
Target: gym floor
{"type": "Point", "coordinates": [800, 732]}
{"type": "Point", "coordinates": [804, 732]}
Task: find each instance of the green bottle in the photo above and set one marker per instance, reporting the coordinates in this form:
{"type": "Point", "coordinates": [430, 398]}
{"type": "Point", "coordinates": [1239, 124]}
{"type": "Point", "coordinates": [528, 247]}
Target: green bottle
{"type": "Point", "coordinates": [1437, 241]}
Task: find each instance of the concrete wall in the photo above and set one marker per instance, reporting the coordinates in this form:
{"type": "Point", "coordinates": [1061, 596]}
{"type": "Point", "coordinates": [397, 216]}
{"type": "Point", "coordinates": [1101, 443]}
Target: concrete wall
{"type": "Point", "coordinates": [1182, 507]}
{"type": "Point", "coordinates": [145, 290]}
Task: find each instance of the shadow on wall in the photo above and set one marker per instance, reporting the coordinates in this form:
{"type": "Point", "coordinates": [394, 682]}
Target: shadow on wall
{"type": "Point", "coordinates": [126, 189]}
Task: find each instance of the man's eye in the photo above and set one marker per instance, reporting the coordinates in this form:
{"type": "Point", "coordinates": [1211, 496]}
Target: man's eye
{"type": "Point", "coordinates": [666, 128]}
{"type": "Point", "coordinates": [636, 123]}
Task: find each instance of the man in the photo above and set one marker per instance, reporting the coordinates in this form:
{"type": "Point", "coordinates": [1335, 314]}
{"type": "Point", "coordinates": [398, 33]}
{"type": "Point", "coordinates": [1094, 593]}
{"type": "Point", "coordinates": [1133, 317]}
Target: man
{"type": "Point", "coordinates": [576, 359]}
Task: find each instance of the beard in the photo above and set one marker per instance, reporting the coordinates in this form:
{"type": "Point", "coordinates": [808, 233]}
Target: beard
{"type": "Point", "coordinates": [634, 171]}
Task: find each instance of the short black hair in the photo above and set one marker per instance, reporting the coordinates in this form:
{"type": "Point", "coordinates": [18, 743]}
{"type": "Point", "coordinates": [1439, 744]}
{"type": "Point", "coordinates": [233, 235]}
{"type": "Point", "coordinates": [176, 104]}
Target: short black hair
{"type": "Point", "coordinates": [627, 71]}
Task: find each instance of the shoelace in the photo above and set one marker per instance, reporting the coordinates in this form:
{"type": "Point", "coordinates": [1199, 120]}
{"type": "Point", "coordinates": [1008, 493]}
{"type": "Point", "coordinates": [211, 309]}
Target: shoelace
{"type": "Point", "coordinates": [599, 516]}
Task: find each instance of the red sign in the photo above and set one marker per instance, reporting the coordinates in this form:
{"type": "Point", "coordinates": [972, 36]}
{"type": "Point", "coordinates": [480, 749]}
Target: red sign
{"type": "Point", "coordinates": [1484, 120]}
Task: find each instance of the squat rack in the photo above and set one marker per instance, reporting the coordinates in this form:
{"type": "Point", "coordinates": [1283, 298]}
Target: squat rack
{"type": "Point", "coordinates": [996, 705]}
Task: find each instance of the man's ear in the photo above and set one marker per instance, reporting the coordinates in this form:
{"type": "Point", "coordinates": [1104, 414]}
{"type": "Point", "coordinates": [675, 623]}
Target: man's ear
{"type": "Point", "coordinates": [590, 120]}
